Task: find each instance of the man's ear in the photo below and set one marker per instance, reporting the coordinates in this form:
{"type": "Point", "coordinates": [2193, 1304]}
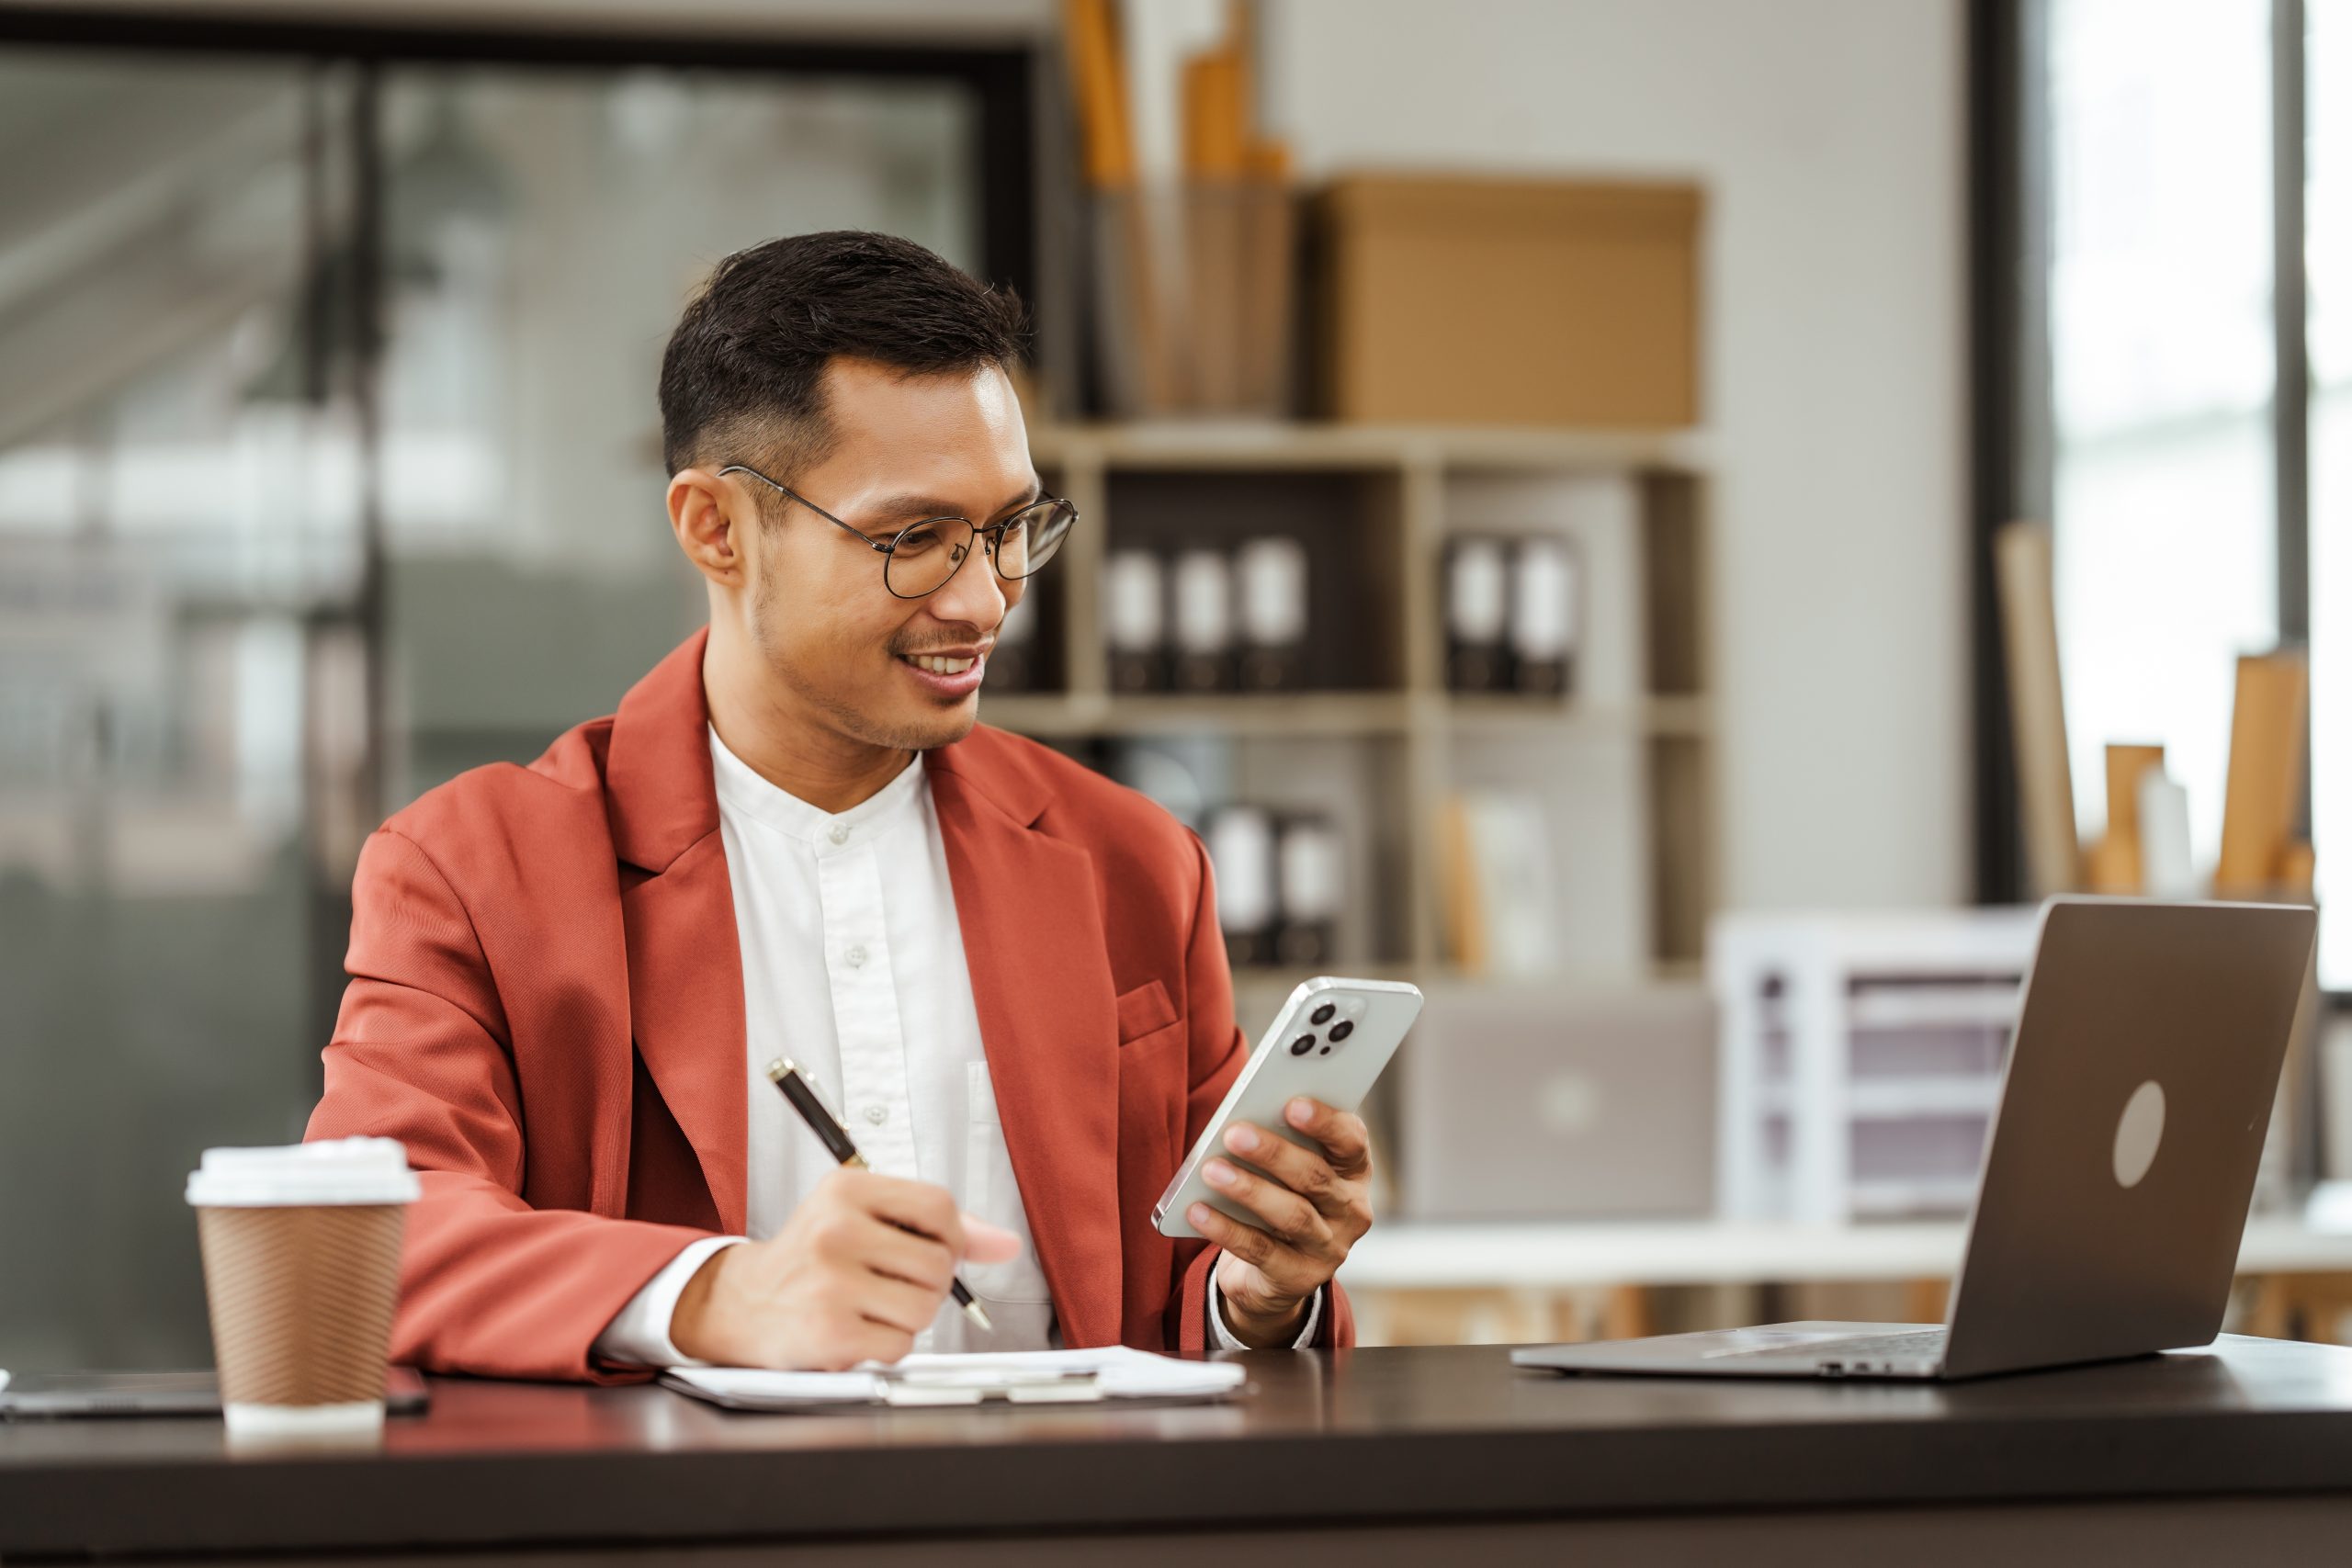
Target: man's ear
{"type": "Point", "coordinates": [705, 512]}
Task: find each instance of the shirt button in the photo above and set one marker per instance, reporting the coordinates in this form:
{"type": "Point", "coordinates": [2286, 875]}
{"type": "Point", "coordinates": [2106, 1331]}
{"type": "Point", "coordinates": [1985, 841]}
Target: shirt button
{"type": "Point", "coordinates": [856, 956]}
{"type": "Point", "coordinates": [877, 1114]}
{"type": "Point", "coordinates": [839, 835]}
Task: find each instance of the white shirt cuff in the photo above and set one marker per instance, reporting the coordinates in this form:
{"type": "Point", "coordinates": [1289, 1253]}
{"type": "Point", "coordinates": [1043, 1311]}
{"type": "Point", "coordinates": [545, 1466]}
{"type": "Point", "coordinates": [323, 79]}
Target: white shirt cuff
{"type": "Point", "coordinates": [1227, 1340]}
{"type": "Point", "coordinates": [639, 1333]}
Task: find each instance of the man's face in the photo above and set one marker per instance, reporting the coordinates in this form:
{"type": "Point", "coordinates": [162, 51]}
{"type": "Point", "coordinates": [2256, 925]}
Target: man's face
{"type": "Point", "coordinates": [840, 646]}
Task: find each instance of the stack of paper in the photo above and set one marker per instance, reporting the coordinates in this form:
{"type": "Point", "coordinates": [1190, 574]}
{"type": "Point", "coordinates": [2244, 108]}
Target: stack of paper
{"type": "Point", "coordinates": [1022, 1377]}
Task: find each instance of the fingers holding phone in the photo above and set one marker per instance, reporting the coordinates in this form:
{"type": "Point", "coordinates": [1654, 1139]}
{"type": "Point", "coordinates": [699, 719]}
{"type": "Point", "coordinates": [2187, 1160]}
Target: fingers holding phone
{"type": "Point", "coordinates": [1311, 1207]}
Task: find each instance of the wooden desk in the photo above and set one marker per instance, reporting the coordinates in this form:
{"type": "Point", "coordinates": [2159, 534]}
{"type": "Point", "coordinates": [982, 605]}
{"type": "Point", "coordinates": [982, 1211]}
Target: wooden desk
{"type": "Point", "coordinates": [1376, 1457]}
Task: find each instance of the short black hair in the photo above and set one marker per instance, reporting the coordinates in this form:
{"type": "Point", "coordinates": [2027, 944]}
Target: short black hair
{"type": "Point", "coordinates": [744, 377]}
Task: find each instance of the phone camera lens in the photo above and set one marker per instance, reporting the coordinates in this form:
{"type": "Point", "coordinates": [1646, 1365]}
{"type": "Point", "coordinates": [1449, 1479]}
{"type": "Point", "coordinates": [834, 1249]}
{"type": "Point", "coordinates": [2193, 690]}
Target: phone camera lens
{"type": "Point", "coordinates": [1323, 1014]}
{"type": "Point", "coordinates": [1341, 1030]}
{"type": "Point", "coordinates": [1302, 1045]}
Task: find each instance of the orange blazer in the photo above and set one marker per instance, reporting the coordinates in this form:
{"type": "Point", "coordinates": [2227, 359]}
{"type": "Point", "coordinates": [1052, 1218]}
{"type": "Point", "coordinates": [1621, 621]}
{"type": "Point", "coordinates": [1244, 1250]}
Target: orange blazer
{"type": "Point", "coordinates": [547, 1007]}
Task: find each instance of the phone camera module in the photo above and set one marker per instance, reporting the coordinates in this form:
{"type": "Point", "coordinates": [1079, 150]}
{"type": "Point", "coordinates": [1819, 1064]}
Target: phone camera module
{"type": "Point", "coordinates": [1302, 1045]}
{"type": "Point", "coordinates": [1341, 1030]}
{"type": "Point", "coordinates": [1323, 1014]}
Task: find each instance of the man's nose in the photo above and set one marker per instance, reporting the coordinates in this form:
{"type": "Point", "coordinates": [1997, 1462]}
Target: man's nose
{"type": "Point", "coordinates": [975, 595]}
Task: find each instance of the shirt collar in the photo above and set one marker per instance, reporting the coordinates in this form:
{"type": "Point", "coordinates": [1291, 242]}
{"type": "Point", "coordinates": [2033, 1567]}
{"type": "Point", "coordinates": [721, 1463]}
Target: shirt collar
{"type": "Point", "coordinates": [741, 789]}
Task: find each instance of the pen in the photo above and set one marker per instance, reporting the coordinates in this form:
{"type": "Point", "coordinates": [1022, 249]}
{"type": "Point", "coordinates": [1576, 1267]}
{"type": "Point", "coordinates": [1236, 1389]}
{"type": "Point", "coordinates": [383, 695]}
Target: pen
{"type": "Point", "coordinates": [786, 1075]}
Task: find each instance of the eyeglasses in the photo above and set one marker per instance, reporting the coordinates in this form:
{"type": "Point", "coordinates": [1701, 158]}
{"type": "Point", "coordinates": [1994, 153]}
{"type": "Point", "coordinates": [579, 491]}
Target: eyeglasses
{"type": "Point", "coordinates": [920, 557]}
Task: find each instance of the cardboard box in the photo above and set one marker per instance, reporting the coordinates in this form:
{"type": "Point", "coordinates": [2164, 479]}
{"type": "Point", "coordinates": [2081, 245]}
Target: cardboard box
{"type": "Point", "coordinates": [1513, 302]}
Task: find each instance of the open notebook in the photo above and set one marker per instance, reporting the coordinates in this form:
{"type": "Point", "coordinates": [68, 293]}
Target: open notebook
{"type": "Point", "coordinates": [1018, 1377]}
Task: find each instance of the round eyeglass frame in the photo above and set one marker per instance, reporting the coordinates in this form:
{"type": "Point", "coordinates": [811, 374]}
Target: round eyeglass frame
{"type": "Point", "coordinates": [1054, 506]}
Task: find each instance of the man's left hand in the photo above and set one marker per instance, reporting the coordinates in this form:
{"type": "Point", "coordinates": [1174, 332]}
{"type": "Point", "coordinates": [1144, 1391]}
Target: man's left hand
{"type": "Point", "coordinates": [1311, 1209]}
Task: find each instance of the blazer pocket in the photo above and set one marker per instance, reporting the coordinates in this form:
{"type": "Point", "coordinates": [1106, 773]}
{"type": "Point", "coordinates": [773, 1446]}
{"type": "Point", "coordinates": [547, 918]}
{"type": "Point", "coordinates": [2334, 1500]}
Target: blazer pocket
{"type": "Point", "coordinates": [1143, 1010]}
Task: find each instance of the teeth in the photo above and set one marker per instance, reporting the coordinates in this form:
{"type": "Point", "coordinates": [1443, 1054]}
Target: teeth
{"type": "Point", "coordinates": [941, 666]}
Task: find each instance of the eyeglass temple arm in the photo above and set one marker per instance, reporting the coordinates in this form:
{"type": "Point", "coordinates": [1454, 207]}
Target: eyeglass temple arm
{"type": "Point", "coordinates": [884, 547]}
{"type": "Point", "coordinates": [880, 547]}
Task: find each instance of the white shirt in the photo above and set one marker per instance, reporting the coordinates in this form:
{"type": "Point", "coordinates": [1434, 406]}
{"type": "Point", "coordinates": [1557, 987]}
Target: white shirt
{"type": "Point", "coordinates": [853, 967]}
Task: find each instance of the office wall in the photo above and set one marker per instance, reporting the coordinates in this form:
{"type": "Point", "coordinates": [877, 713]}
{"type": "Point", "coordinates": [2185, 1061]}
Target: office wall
{"type": "Point", "coordinates": [1829, 135]}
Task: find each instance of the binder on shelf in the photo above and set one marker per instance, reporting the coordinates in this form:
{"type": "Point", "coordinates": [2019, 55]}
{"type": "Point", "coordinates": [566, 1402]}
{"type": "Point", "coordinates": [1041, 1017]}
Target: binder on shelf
{"type": "Point", "coordinates": [1203, 621]}
{"type": "Point", "coordinates": [1309, 883]}
{"type": "Point", "coordinates": [1271, 581]}
{"type": "Point", "coordinates": [1477, 608]}
{"type": "Point", "coordinates": [1135, 621]}
{"type": "Point", "coordinates": [1542, 617]}
{"type": "Point", "coordinates": [1242, 850]}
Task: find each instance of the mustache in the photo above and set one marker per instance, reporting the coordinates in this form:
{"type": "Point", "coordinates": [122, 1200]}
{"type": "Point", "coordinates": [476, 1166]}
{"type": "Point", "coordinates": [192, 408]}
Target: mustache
{"type": "Point", "coordinates": [983, 644]}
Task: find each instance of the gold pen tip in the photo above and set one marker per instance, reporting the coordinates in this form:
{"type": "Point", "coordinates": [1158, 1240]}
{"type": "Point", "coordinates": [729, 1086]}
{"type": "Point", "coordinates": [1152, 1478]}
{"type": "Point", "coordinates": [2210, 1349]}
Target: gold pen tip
{"type": "Point", "coordinates": [972, 1310]}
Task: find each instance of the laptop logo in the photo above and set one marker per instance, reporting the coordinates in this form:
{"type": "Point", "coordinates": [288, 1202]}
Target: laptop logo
{"type": "Point", "coordinates": [2138, 1133]}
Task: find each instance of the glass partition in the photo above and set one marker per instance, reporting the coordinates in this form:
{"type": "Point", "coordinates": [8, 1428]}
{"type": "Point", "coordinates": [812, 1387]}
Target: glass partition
{"type": "Point", "coordinates": [543, 229]}
{"type": "Point", "coordinates": [329, 466]}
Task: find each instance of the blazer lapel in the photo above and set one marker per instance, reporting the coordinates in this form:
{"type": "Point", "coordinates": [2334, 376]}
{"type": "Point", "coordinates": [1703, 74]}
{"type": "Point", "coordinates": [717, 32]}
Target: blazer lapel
{"type": "Point", "coordinates": [1031, 916]}
{"type": "Point", "coordinates": [686, 971]}
{"type": "Point", "coordinates": [686, 986]}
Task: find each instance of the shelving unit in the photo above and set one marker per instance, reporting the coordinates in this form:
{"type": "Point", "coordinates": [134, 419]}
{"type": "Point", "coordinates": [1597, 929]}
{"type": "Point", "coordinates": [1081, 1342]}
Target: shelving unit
{"type": "Point", "coordinates": [1624, 766]}
{"type": "Point", "coordinates": [1861, 1059]}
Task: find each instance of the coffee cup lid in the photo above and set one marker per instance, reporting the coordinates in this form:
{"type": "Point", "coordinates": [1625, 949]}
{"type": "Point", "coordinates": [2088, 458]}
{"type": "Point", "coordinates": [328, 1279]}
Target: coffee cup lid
{"type": "Point", "coordinates": [336, 1170]}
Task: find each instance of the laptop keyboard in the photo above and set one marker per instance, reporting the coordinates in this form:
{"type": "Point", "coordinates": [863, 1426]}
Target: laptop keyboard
{"type": "Point", "coordinates": [1926, 1343]}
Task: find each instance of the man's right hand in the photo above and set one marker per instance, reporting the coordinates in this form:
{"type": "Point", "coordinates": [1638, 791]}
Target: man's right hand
{"type": "Point", "coordinates": [845, 1282]}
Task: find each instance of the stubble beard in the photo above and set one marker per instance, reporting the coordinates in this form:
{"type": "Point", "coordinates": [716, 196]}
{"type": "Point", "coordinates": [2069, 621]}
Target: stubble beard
{"type": "Point", "coordinates": [843, 717]}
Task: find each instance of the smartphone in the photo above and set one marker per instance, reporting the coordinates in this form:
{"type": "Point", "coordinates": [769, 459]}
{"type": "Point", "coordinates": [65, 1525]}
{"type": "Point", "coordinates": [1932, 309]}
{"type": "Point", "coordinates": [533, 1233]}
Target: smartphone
{"type": "Point", "coordinates": [1328, 1042]}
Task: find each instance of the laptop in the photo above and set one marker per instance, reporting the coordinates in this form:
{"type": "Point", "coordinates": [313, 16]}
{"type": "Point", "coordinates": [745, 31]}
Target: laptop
{"type": "Point", "coordinates": [2118, 1171]}
{"type": "Point", "coordinates": [1541, 1104]}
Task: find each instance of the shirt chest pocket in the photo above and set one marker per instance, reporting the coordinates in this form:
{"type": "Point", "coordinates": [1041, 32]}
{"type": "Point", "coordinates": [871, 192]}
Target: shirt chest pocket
{"type": "Point", "coordinates": [991, 1193]}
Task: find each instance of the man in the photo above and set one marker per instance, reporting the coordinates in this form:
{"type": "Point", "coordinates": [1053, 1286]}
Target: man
{"type": "Point", "coordinates": [792, 841]}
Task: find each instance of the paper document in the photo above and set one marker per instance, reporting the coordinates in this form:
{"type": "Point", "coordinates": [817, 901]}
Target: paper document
{"type": "Point", "coordinates": [1022, 1377]}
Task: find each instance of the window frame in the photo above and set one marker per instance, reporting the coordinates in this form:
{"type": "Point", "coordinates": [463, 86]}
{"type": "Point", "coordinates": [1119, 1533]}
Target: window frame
{"type": "Point", "coordinates": [2011, 437]}
{"type": "Point", "coordinates": [1006, 77]}
{"type": "Point", "coordinates": [1015, 204]}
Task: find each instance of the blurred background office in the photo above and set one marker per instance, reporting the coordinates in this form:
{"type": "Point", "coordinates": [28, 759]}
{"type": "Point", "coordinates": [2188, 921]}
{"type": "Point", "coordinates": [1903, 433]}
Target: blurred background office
{"type": "Point", "coordinates": [1548, 471]}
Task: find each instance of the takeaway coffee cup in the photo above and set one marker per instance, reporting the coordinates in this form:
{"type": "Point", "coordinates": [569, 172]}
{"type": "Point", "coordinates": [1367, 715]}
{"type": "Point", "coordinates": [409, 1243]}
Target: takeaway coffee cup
{"type": "Point", "coordinates": [301, 1271]}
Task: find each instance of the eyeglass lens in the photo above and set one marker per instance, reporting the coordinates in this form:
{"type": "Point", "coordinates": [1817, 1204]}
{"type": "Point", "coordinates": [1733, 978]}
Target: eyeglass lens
{"type": "Point", "coordinates": [926, 554]}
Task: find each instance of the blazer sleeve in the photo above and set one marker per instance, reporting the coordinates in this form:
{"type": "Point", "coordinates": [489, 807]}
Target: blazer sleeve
{"type": "Point", "coordinates": [489, 1284]}
{"type": "Point", "coordinates": [1218, 1051]}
